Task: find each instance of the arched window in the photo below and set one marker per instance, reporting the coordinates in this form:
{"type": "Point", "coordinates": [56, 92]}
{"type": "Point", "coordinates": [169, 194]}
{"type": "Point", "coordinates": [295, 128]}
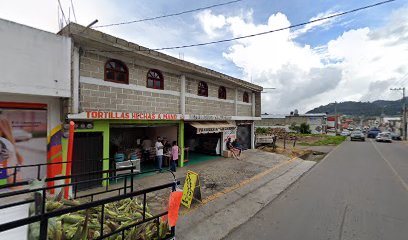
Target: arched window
{"type": "Point", "coordinates": [155, 79]}
{"type": "Point", "coordinates": [222, 92]}
{"type": "Point", "coordinates": [116, 71]}
{"type": "Point", "coordinates": [202, 89]}
{"type": "Point", "coordinates": [245, 98]}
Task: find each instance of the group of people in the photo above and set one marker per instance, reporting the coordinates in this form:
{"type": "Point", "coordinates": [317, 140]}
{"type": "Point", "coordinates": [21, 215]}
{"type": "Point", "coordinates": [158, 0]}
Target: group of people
{"type": "Point", "coordinates": [161, 146]}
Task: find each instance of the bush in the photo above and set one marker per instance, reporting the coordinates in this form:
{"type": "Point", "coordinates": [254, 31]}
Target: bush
{"type": "Point", "coordinates": [261, 130]}
{"type": "Point", "coordinates": [304, 128]}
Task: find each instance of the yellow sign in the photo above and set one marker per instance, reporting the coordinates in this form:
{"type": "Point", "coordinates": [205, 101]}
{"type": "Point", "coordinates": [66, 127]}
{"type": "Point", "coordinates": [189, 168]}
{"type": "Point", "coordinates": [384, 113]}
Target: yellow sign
{"type": "Point", "coordinates": [189, 190]}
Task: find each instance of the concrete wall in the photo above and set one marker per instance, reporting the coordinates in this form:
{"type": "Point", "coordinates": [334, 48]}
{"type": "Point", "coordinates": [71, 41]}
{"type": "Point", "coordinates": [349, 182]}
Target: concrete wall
{"type": "Point", "coordinates": [271, 122]}
{"type": "Point", "coordinates": [258, 110]}
{"type": "Point", "coordinates": [33, 61]}
{"type": "Point", "coordinates": [97, 94]}
{"type": "Point", "coordinates": [108, 98]}
{"type": "Point", "coordinates": [317, 124]}
{"type": "Point", "coordinates": [92, 65]}
{"type": "Point", "coordinates": [244, 110]}
{"type": "Point", "coordinates": [204, 106]}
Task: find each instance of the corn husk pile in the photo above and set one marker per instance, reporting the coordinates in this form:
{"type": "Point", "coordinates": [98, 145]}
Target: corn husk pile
{"type": "Point", "coordinates": [86, 224]}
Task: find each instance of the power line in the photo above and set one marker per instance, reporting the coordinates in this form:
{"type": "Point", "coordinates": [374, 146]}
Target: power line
{"type": "Point", "coordinates": [73, 11]}
{"type": "Point", "coordinates": [62, 11]}
{"type": "Point", "coordinates": [258, 34]}
{"type": "Point", "coordinates": [168, 15]}
{"type": "Point", "coordinates": [279, 29]}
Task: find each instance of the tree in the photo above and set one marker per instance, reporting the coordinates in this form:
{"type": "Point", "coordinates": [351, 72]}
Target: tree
{"type": "Point", "coordinates": [295, 128]}
{"type": "Point", "coordinates": [304, 128]}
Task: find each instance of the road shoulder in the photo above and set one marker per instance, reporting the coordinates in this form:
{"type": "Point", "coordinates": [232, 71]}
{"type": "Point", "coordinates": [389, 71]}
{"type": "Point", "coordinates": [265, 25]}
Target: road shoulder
{"type": "Point", "coordinates": [220, 216]}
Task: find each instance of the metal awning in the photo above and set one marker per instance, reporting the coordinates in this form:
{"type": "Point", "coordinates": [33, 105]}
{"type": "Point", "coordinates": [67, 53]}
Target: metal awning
{"type": "Point", "coordinates": [212, 127]}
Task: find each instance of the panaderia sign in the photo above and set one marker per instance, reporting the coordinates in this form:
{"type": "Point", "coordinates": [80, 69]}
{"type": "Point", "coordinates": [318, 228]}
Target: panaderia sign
{"type": "Point", "coordinates": [125, 115]}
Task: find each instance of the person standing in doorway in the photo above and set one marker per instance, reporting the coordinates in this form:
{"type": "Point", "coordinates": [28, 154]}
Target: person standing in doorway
{"type": "Point", "coordinates": [159, 154]}
{"type": "Point", "coordinates": [174, 156]}
{"type": "Point", "coordinates": [146, 145]}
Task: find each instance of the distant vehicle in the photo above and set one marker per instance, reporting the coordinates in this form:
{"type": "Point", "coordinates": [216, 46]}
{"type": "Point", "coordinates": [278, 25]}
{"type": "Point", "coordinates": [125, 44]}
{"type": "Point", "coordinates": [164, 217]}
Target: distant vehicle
{"type": "Point", "coordinates": [21, 135]}
{"type": "Point", "coordinates": [345, 133]}
{"type": "Point", "coordinates": [395, 136]}
{"type": "Point", "coordinates": [350, 128]}
{"type": "Point", "coordinates": [373, 132]}
{"type": "Point", "coordinates": [357, 135]}
{"type": "Point", "coordinates": [384, 137]}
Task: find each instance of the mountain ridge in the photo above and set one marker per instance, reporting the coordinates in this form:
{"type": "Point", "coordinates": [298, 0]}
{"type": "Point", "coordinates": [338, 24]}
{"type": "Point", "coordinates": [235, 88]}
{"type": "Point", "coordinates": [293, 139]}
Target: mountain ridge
{"type": "Point", "coordinates": [375, 108]}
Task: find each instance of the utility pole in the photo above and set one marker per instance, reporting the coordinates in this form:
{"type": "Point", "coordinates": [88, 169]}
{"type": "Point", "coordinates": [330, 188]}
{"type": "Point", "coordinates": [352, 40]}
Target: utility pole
{"type": "Point", "coordinates": [335, 116]}
{"type": "Point", "coordinates": [404, 111]}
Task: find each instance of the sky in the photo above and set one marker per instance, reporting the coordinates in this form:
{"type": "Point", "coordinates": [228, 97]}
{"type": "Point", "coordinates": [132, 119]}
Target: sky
{"type": "Point", "coordinates": [355, 57]}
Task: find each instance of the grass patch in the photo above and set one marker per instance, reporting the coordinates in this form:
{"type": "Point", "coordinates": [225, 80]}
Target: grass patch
{"type": "Point", "coordinates": [326, 140]}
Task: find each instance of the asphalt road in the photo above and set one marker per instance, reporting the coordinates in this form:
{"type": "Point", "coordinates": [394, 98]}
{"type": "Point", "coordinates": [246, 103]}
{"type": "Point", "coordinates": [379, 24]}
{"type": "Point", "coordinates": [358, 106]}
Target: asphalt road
{"type": "Point", "coordinates": [360, 191]}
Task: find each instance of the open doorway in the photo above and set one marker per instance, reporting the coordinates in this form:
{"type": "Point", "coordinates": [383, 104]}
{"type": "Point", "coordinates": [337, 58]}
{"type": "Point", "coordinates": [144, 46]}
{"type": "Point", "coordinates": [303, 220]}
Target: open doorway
{"type": "Point", "coordinates": [135, 141]}
{"type": "Point", "coordinates": [201, 146]}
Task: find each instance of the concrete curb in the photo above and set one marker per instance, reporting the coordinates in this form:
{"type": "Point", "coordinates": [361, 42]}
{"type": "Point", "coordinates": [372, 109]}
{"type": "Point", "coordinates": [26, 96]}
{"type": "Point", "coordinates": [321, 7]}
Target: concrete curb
{"type": "Point", "coordinates": [220, 216]}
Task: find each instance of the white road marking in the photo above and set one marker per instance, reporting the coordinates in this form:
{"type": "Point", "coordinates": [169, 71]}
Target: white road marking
{"type": "Point", "coordinates": [404, 184]}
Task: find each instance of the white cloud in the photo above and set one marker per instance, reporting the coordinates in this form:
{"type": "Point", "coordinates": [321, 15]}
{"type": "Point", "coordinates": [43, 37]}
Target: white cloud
{"type": "Point", "coordinates": [326, 23]}
{"type": "Point", "coordinates": [360, 64]}
{"type": "Point", "coordinates": [211, 23]}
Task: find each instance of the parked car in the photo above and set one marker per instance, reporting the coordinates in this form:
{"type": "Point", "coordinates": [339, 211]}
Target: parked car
{"type": "Point", "coordinates": [21, 135]}
{"type": "Point", "coordinates": [395, 136]}
{"type": "Point", "coordinates": [357, 135]}
{"type": "Point", "coordinates": [345, 133]}
{"type": "Point", "coordinates": [384, 137]}
{"type": "Point", "coordinates": [373, 132]}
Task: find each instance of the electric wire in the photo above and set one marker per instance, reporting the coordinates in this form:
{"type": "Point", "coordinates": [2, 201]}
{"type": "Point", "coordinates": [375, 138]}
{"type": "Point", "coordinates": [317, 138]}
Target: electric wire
{"type": "Point", "coordinates": [279, 29]}
{"type": "Point", "coordinates": [168, 15]}
{"type": "Point", "coordinates": [257, 34]}
{"type": "Point", "coordinates": [62, 11]}
{"type": "Point", "coordinates": [73, 11]}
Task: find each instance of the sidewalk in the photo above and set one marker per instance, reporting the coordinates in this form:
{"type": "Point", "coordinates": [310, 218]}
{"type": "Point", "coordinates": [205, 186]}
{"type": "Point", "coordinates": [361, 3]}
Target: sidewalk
{"type": "Point", "coordinates": [221, 215]}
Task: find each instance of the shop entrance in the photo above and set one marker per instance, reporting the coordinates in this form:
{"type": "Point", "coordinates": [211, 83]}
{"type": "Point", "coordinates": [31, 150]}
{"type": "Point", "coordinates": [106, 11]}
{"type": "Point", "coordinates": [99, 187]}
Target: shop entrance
{"type": "Point", "coordinates": [201, 146]}
{"type": "Point", "coordinates": [136, 141]}
{"type": "Point", "coordinates": [86, 157]}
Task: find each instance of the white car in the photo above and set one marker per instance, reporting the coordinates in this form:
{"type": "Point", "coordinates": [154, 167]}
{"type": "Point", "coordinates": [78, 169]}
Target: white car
{"type": "Point", "coordinates": [345, 133]}
{"type": "Point", "coordinates": [384, 137]}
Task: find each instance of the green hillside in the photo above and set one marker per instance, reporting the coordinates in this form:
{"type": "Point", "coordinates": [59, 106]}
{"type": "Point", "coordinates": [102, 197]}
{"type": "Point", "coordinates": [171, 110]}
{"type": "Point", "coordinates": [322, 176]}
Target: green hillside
{"type": "Point", "coordinates": [376, 108]}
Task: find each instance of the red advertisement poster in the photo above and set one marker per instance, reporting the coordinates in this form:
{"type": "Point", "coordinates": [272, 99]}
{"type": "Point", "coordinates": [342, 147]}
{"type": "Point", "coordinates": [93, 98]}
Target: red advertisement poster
{"type": "Point", "coordinates": [23, 141]}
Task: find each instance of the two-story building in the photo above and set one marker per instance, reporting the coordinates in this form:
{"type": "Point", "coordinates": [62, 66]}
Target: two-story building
{"type": "Point", "coordinates": [124, 93]}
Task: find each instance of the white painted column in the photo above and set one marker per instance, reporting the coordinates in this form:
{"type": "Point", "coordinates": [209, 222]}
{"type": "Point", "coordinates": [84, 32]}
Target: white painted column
{"type": "Point", "coordinates": [183, 94]}
{"type": "Point", "coordinates": [253, 104]}
{"type": "Point", "coordinates": [75, 81]}
{"type": "Point", "coordinates": [236, 102]}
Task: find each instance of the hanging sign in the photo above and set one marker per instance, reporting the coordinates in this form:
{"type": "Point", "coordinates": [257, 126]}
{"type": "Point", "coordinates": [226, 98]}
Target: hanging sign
{"type": "Point", "coordinates": [191, 189]}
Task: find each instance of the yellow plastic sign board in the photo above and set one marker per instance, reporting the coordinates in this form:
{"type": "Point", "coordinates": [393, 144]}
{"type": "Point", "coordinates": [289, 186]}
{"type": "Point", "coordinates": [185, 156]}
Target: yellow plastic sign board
{"type": "Point", "coordinates": [190, 190]}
